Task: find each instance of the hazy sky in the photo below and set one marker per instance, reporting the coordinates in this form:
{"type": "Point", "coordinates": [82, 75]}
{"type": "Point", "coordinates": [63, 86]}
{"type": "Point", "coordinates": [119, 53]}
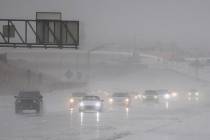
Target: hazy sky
{"type": "Point", "coordinates": [186, 22]}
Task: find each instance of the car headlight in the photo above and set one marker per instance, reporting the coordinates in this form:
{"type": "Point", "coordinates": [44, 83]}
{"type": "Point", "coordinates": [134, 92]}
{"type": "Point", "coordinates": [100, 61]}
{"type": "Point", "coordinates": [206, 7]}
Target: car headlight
{"type": "Point", "coordinates": [167, 96]}
{"type": "Point", "coordinates": [174, 94]}
{"type": "Point", "coordinates": [81, 104]}
{"type": "Point", "coordinates": [155, 97]}
{"type": "Point", "coordinates": [144, 97]}
{"type": "Point", "coordinates": [71, 100]}
{"type": "Point", "coordinates": [110, 100]}
{"type": "Point", "coordinates": [98, 104]}
{"type": "Point", "coordinates": [127, 100]}
{"type": "Point", "coordinates": [197, 93]}
{"type": "Point", "coordinates": [189, 93]}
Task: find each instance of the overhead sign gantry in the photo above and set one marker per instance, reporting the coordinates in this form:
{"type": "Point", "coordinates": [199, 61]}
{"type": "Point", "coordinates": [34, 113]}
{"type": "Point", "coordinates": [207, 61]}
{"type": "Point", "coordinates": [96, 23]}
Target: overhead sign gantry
{"type": "Point", "coordinates": [48, 30]}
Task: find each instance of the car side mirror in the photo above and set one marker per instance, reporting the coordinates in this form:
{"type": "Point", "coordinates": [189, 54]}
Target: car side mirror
{"type": "Point", "coordinates": [15, 96]}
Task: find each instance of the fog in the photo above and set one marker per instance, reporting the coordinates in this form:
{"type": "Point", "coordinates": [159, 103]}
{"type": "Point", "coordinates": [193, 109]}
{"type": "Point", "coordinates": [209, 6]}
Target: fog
{"type": "Point", "coordinates": [141, 71]}
{"type": "Point", "coordinates": [122, 22]}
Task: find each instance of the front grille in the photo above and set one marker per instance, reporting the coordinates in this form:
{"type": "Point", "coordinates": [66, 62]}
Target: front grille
{"type": "Point", "coordinates": [89, 107]}
{"type": "Point", "coordinates": [26, 101]}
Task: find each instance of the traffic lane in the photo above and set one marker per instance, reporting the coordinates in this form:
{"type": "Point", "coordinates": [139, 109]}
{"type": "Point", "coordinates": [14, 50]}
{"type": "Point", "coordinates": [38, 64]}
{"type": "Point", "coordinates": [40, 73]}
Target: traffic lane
{"type": "Point", "coordinates": [118, 122]}
{"type": "Point", "coordinates": [146, 119]}
{"type": "Point", "coordinates": [193, 124]}
{"type": "Point", "coordinates": [138, 120]}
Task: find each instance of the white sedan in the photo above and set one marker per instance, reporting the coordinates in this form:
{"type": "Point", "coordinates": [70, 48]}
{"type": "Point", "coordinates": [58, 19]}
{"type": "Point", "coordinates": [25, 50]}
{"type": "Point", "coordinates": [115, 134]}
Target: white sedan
{"type": "Point", "coordinates": [91, 103]}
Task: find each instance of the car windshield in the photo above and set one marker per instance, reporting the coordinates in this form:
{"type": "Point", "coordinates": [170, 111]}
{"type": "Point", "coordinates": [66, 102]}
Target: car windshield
{"type": "Point", "coordinates": [30, 94]}
{"type": "Point", "coordinates": [162, 91]}
{"type": "Point", "coordinates": [78, 94]}
{"type": "Point", "coordinates": [91, 98]}
{"type": "Point", "coordinates": [120, 95]}
{"type": "Point", "coordinates": [150, 92]}
{"type": "Point", "coordinates": [193, 91]}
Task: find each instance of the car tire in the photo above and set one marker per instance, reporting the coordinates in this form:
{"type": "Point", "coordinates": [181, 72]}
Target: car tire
{"type": "Point", "coordinates": [38, 110]}
{"type": "Point", "coordinates": [17, 111]}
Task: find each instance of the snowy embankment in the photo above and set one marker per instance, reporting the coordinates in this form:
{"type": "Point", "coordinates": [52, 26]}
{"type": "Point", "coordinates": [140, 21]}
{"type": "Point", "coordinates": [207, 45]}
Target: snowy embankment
{"type": "Point", "coordinates": [202, 74]}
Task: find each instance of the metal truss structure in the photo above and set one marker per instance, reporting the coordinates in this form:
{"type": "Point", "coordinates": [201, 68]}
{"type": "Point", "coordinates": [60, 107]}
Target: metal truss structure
{"type": "Point", "coordinates": [39, 33]}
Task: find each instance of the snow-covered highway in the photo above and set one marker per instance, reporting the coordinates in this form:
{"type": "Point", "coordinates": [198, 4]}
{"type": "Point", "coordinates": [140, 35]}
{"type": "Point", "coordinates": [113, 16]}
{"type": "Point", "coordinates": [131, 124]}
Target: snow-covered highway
{"type": "Point", "coordinates": [182, 119]}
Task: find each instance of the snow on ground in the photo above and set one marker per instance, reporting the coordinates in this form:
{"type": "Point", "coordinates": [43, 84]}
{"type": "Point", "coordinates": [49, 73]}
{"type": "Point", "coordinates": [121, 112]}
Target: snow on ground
{"type": "Point", "coordinates": [182, 120]}
{"type": "Point", "coordinates": [138, 78]}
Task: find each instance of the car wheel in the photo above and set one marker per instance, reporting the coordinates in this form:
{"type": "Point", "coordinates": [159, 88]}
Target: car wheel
{"type": "Point", "coordinates": [38, 110]}
{"type": "Point", "coordinates": [17, 111]}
